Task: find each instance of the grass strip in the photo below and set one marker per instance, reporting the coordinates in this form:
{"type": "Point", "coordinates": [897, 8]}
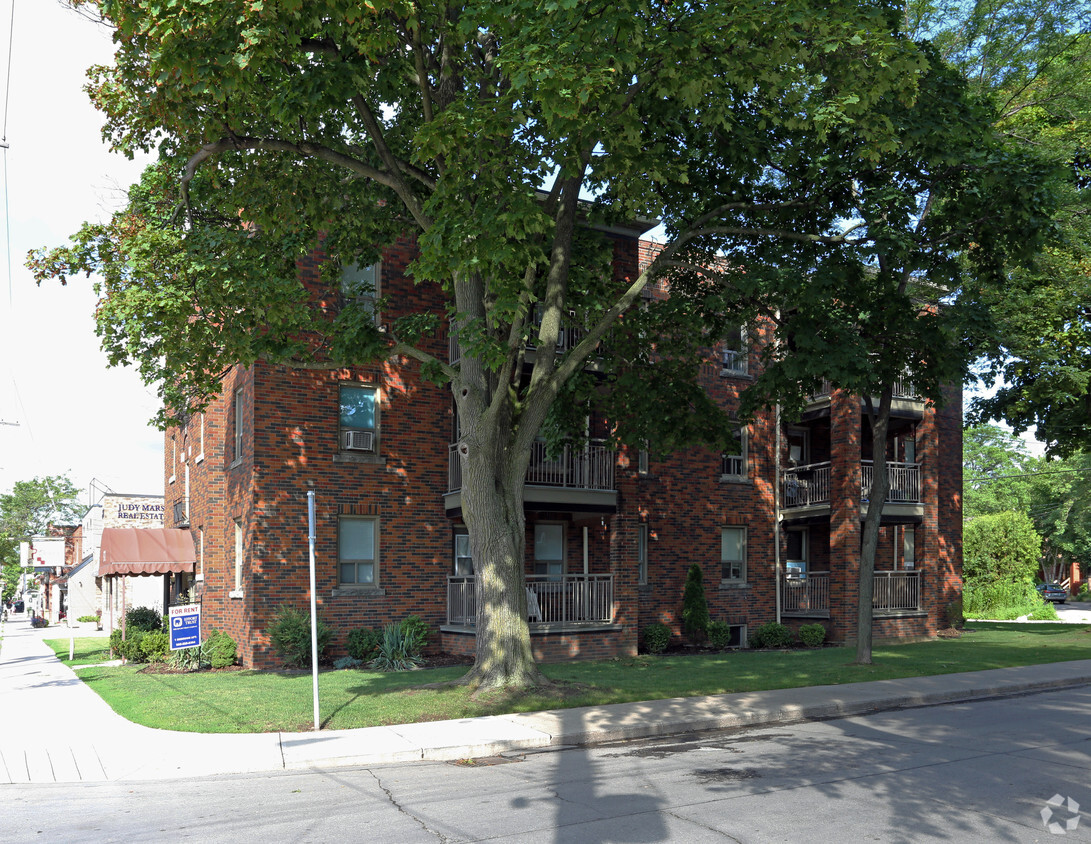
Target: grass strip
{"type": "Point", "coordinates": [89, 650]}
{"type": "Point", "coordinates": [264, 701]}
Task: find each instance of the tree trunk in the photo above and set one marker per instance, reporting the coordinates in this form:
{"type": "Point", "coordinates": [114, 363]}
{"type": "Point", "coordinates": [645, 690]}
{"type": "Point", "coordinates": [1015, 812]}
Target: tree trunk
{"type": "Point", "coordinates": [876, 496]}
{"type": "Point", "coordinates": [492, 504]}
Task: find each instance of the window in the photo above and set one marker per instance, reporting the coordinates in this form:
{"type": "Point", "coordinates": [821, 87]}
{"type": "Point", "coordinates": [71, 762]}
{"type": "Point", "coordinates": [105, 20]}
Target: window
{"type": "Point", "coordinates": [464, 561]}
{"type": "Point", "coordinates": [173, 459]}
{"type": "Point", "coordinates": [356, 551]}
{"type": "Point", "coordinates": [733, 553]}
{"type": "Point", "coordinates": [733, 465]}
{"type": "Point", "coordinates": [236, 454]}
{"type": "Point", "coordinates": [909, 547]}
{"type": "Point", "coordinates": [358, 417]}
{"type": "Point", "coordinates": [237, 592]}
{"type": "Point", "coordinates": [549, 550]}
{"type": "Point", "coordinates": [799, 446]}
{"type": "Point", "coordinates": [642, 461]}
{"type": "Point", "coordinates": [796, 558]}
{"type": "Point", "coordinates": [642, 555]}
{"type": "Point", "coordinates": [201, 441]}
{"type": "Point", "coordinates": [200, 553]}
{"type": "Point", "coordinates": [736, 355]}
{"type": "Point", "coordinates": [360, 285]}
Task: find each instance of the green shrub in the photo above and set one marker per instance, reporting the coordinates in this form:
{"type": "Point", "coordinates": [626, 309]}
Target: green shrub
{"type": "Point", "coordinates": [1045, 611]}
{"type": "Point", "coordinates": [955, 614]}
{"type": "Point", "coordinates": [363, 644]}
{"type": "Point", "coordinates": [719, 634]}
{"type": "Point", "coordinates": [695, 605]}
{"type": "Point", "coordinates": [154, 646]}
{"type": "Point", "coordinates": [418, 628]}
{"type": "Point", "coordinates": [143, 618]}
{"type": "Point", "coordinates": [85, 618]}
{"type": "Point", "coordinates": [1003, 601]}
{"type": "Point", "coordinates": [656, 636]}
{"type": "Point", "coordinates": [185, 659]}
{"type": "Point", "coordinates": [344, 662]}
{"type": "Point", "coordinates": [219, 650]}
{"type": "Point", "coordinates": [129, 648]}
{"type": "Point", "coordinates": [771, 635]}
{"type": "Point", "coordinates": [1085, 592]}
{"type": "Point", "coordinates": [812, 635]}
{"type": "Point", "coordinates": [399, 649]}
{"type": "Point", "coordinates": [290, 636]}
{"type": "Point", "coordinates": [1001, 548]}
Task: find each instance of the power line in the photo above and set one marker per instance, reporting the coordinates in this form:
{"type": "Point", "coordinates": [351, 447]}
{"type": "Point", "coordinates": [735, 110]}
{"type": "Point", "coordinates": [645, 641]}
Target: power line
{"type": "Point", "coordinates": [1024, 475]}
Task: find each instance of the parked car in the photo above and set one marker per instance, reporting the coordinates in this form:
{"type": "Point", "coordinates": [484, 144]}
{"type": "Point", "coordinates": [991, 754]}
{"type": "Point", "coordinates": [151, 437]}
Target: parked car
{"type": "Point", "coordinates": [1053, 592]}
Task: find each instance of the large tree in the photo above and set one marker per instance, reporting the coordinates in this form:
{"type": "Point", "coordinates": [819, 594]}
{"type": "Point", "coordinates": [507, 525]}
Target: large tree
{"type": "Point", "coordinates": [494, 132]}
{"type": "Point", "coordinates": [29, 509]}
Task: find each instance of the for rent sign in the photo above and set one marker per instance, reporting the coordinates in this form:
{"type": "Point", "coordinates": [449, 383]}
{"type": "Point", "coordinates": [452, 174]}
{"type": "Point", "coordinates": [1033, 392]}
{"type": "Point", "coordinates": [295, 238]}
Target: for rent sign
{"type": "Point", "coordinates": [185, 626]}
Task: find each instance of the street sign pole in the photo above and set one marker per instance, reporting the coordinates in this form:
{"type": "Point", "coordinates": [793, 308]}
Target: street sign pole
{"type": "Point", "coordinates": [314, 608]}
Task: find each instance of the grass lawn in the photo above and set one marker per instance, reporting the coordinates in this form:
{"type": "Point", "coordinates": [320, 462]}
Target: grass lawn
{"type": "Point", "coordinates": [263, 701]}
{"type": "Point", "coordinates": [89, 650]}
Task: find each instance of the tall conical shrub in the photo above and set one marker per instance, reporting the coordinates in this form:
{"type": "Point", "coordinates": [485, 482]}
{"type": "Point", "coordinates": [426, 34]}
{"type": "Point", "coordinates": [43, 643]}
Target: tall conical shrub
{"type": "Point", "coordinates": [695, 605]}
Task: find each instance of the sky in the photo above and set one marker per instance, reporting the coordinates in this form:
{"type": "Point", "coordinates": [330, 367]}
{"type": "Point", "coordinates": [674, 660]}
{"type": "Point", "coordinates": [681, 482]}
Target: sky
{"type": "Point", "coordinates": [75, 416]}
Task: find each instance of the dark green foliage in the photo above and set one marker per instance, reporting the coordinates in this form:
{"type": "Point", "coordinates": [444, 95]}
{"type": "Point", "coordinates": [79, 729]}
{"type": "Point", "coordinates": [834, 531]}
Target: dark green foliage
{"type": "Point", "coordinates": [399, 649]}
{"type": "Point", "coordinates": [143, 618]}
{"type": "Point", "coordinates": [771, 635]}
{"type": "Point", "coordinates": [290, 636]}
{"type": "Point", "coordinates": [1001, 548]}
{"type": "Point", "coordinates": [418, 628]}
{"type": "Point", "coordinates": [185, 659]}
{"type": "Point", "coordinates": [812, 635]}
{"type": "Point", "coordinates": [154, 646]}
{"type": "Point", "coordinates": [695, 605]}
{"type": "Point", "coordinates": [719, 634]}
{"type": "Point", "coordinates": [656, 636]}
{"type": "Point", "coordinates": [1001, 600]}
{"type": "Point", "coordinates": [362, 644]}
{"type": "Point", "coordinates": [219, 650]}
{"type": "Point", "coordinates": [129, 648]}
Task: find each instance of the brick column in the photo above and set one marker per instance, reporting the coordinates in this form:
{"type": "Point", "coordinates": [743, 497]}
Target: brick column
{"type": "Point", "coordinates": [844, 513]}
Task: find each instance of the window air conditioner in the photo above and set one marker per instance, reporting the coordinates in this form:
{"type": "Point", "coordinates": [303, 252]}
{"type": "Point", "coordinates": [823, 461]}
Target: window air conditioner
{"type": "Point", "coordinates": [358, 440]}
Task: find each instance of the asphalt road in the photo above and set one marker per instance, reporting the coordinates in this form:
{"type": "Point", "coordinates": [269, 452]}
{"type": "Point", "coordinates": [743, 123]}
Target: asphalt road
{"type": "Point", "coordinates": [975, 771]}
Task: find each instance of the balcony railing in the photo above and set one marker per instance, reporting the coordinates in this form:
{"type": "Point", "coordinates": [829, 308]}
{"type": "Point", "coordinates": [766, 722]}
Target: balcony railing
{"type": "Point", "coordinates": [804, 486]}
{"type": "Point", "coordinates": [564, 599]}
{"type": "Point", "coordinates": [805, 595]}
{"type": "Point", "coordinates": [903, 389]}
{"type": "Point", "coordinates": [575, 467]}
{"type": "Point", "coordinates": [896, 591]}
{"type": "Point", "coordinates": [808, 595]}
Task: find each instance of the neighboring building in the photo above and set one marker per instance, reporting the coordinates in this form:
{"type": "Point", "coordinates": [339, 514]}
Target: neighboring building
{"type": "Point", "coordinates": [610, 536]}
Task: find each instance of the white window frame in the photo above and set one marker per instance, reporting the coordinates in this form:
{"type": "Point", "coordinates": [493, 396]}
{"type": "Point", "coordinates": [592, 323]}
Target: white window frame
{"type": "Point", "coordinates": [173, 459]}
{"type": "Point", "coordinates": [462, 538]}
{"type": "Point", "coordinates": [740, 461]}
{"type": "Point", "coordinates": [354, 272]}
{"type": "Point", "coordinates": [201, 434]}
{"type": "Point", "coordinates": [356, 562]}
{"type": "Point", "coordinates": [341, 429]}
{"type": "Point", "coordinates": [797, 566]}
{"type": "Point", "coordinates": [237, 592]}
{"type": "Point", "coordinates": [909, 547]}
{"type": "Point", "coordinates": [804, 456]}
{"type": "Point", "coordinates": [237, 437]}
{"type": "Point", "coordinates": [549, 566]}
{"type": "Point", "coordinates": [724, 561]}
{"type": "Point", "coordinates": [736, 361]}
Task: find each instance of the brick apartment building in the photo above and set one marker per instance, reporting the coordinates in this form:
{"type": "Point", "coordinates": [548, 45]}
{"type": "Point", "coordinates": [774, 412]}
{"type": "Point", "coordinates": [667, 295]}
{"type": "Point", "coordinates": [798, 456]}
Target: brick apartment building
{"type": "Point", "coordinates": [610, 535]}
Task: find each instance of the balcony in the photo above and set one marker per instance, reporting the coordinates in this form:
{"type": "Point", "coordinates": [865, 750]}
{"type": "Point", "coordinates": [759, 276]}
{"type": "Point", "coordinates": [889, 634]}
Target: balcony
{"type": "Point", "coordinates": [567, 339]}
{"type": "Point", "coordinates": [808, 596]}
{"type": "Point", "coordinates": [906, 402]}
{"type": "Point", "coordinates": [805, 490]}
{"type": "Point", "coordinates": [571, 601]}
{"type": "Point", "coordinates": [577, 479]}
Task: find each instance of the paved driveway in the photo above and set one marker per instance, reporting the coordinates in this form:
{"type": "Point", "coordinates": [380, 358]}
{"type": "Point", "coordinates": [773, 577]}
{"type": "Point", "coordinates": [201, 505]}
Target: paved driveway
{"type": "Point", "coordinates": [1074, 612]}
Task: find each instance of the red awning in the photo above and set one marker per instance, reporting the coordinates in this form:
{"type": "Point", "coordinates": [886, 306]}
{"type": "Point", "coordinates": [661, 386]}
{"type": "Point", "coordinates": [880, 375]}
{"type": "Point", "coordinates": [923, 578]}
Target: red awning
{"type": "Point", "coordinates": [136, 551]}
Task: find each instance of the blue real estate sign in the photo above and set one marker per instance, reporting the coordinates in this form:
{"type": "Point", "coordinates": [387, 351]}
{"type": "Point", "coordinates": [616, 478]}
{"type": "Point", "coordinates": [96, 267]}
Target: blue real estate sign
{"type": "Point", "coordinates": [185, 626]}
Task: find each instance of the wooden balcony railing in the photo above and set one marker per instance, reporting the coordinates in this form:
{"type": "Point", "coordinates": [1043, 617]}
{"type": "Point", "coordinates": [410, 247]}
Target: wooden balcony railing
{"type": "Point", "coordinates": [564, 599]}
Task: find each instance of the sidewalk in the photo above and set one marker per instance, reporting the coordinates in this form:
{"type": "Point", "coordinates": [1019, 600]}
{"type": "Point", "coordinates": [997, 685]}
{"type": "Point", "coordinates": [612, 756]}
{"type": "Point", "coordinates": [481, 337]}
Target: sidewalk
{"type": "Point", "coordinates": [70, 735]}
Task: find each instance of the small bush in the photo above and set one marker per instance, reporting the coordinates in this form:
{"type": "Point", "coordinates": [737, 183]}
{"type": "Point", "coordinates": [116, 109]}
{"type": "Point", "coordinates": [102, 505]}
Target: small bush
{"type": "Point", "coordinates": [719, 634]}
{"type": "Point", "coordinates": [771, 635]}
{"type": "Point", "coordinates": [418, 628]}
{"type": "Point", "coordinates": [363, 644]}
{"type": "Point", "coordinates": [955, 616]}
{"type": "Point", "coordinates": [344, 662]}
{"type": "Point", "coordinates": [812, 635]}
{"type": "Point", "coordinates": [143, 618]}
{"type": "Point", "coordinates": [154, 646]}
{"type": "Point", "coordinates": [1085, 592]}
{"type": "Point", "coordinates": [185, 659]}
{"type": "Point", "coordinates": [399, 649]}
{"type": "Point", "coordinates": [38, 621]}
{"type": "Point", "coordinates": [656, 637]}
{"type": "Point", "coordinates": [1043, 612]}
{"type": "Point", "coordinates": [129, 648]}
{"type": "Point", "coordinates": [290, 636]}
{"type": "Point", "coordinates": [219, 650]}
{"type": "Point", "coordinates": [86, 618]}
{"type": "Point", "coordinates": [695, 605]}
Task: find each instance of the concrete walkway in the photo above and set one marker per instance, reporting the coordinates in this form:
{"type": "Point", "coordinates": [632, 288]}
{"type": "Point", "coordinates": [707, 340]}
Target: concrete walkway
{"type": "Point", "coordinates": [55, 729]}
